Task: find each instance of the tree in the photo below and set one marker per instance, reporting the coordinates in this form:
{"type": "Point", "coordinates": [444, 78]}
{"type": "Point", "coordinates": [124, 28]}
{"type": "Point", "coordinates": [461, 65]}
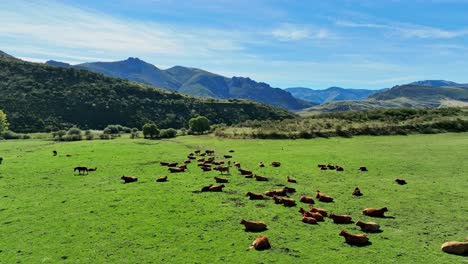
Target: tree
{"type": "Point", "coordinates": [199, 124]}
{"type": "Point", "coordinates": [3, 122]}
{"type": "Point", "coordinates": [150, 130]}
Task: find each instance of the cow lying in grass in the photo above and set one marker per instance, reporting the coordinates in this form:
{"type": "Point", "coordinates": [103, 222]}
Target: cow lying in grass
{"type": "Point", "coordinates": [260, 243]}
{"type": "Point", "coordinates": [221, 180]}
{"type": "Point", "coordinates": [276, 164]}
{"type": "Point", "coordinates": [315, 215]}
{"type": "Point", "coordinates": [341, 219]}
{"type": "Point", "coordinates": [369, 227]}
{"type": "Point", "coordinates": [162, 179]}
{"type": "Point", "coordinates": [260, 178]}
{"type": "Point", "coordinates": [321, 211]}
{"type": "Point", "coordinates": [254, 226]}
{"type": "Point", "coordinates": [175, 170]}
{"type": "Point", "coordinates": [218, 188]}
{"type": "Point", "coordinates": [362, 168]}
{"type": "Point", "coordinates": [357, 192]}
{"type": "Point", "coordinates": [358, 240]}
{"type": "Point", "coordinates": [245, 172]}
{"type": "Point", "coordinates": [454, 247]}
{"type": "Point", "coordinates": [254, 196]}
{"type": "Point", "coordinates": [323, 197]}
{"type": "Point", "coordinates": [306, 199]}
{"type": "Point", "coordinates": [128, 179]}
{"type": "Point", "coordinates": [400, 181]}
{"type": "Point", "coordinates": [291, 180]}
{"type": "Point", "coordinates": [288, 202]}
{"type": "Point", "coordinates": [309, 220]}
{"type": "Point", "coordinates": [375, 212]}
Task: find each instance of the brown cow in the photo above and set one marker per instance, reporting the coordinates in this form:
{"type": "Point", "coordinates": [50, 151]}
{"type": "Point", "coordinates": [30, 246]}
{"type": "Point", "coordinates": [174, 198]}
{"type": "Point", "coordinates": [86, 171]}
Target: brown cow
{"type": "Point", "coordinates": [227, 156]}
{"type": "Point", "coordinates": [331, 167]}
{"type": "Point", "coordinates": [321, 211]}
{"type": "Point", "coordinates": [375, 212]}
{"type": "Point", "coordinates": [249, 176]}
{"type": "Point", "coordinates": [260, 178]}
{"type": "Point", "coordinates": [163, 163]}
{"type": "Point", "coordinates": [201, 160]}
{"type": "Point", "coordinates": [128, 179]}
{"type": "Point", "coordinates": [254, 196]}
{"type": "Point", "coordinates": [288, 202]}
{"type": "Point", "coordinates": [277, 199]}
{"type": "Point", "coordinates": [172, 164]}
{"type": "Point", "coordinates": [221, 180]}
{"type": "Point", "coordinates": [339, 168]}
{"type": "Point", "coordinates": [400, 181]}
{"type": "Point", "coordinates": [261, 243]}
{"type": "Point", "coordinates": [245, 172]}
{"type": "Point", "coordinates": [175, 170]}
{"type": "Point", "coordinates": [206, 188]}
{"type": "Point", "coordinates": [276, 164]}
{"type": "Point", "coordinates": [362, 168]}
{"type": "Point", "coordinates": [218, 188]}
{"type": "Point", "coordinates": [358, 240]}
{"type": "Point", "coordinates": [309, 220]}
{"type": "Point", "coordinates": [315, 215]}
{"type": "Point", "coordinates": [323, 197]}
{"type": "Point", "coordinates": [206, 168]}
{"type": "Point", "coordinates": [289, 189]}
{"type": "Point", "coordinates": [197, 151]}
{"type": "Point", "coordinates": [280, 192]}
{"type": "Point", "coordinates": [222, 169]}
{"type": "Point", "coordinates": [187, 161]}
{"type": "Point", "coordinates": [209, 152]}
{"type": "Point", "coordinates": [454, 247]}
{"type": "Point", "coordinates": [261, 165]}
{"type": "Point", "coordinates": [341, 219]}
{"type": "Point", "coordinates": [321, 165]}
{"type": "Point", "coordinates": [237, 165]}
{"type": "Point", "coordinates": [370, 227]}
{"type": "Point", "coordinates": [323, 168]}
{"type": "Point", "coordinates": [254, 226]}
{"type": "Point", "coordinates": [191, 157]}
{"type": "Point", "coordinates": [162, 179]}
{"type": "Point", "coordinates": [231, 151]}
{"type": "Point", "coordinates": [357, 192]}
{"type": "Point", "coordinates": [291, 180]}
{"type": "Point", "coordinates": [306, 199]}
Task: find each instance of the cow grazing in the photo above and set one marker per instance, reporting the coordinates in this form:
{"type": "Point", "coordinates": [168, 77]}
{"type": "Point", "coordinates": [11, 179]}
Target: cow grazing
{"type": "Point", "coordinates": [454, 247]}
{"type": "Point", "coordinates": [203, 154]}
{"type": "Point", "coordinates": [375, 212]}
{"type": "Point", "coordinates": [306, 199]}
{"type": "Point", "coordinates": [172, 164]}
{"type": "Point", "coordinates": [227, 156]}
{"type": "Point", "coordinates": [276, 164]}
{"type": "Point", "coordinates": [357, 240]}
{"type": "Point", "coordinates": [362, 168]}
{"type": "Point", "coordinates": [221, 180]}
{"type": "Point", "coordinates": [289, 189]}
{"type": "Point", "coordinates": [245, 172]}
{"type": "Point", "coordinates": [309, 220]}
{"type": "Point", "coordinates": [81, 170]}
{"type": "Point", "coordinates": [129, 179]}
{"type": "Point", "coordinates": [218, 188]}
{"type": "Point", "coordinates": [206, 188]}
{"type": "Point", "coordinates": [92, 169]}
{"type": "Point", "coordinates": [222, 169]}
{"type": "Point", "coordinates": [291, 180]}
{"type": "Point", "coordinates": [400, 181]}
{"type": "Point", "coordinates": [254, 196]}
{"type": "Point", "coordinates": [321, 211]}
{"type": "Point", "coordinates": [162, 179]}
{"type": "Point", "coordinates": [357, 192]}
{"type": "Point", "coordinates": [1, 160]}
{"type": "Point", "coordinates": [183, 166]}
{"type": "Point", "coordinates": [323, 197]}
{"type": "Point", "coordinates": [341, 219]}
{"type": "Point", "coordinates": [260, 178]}
{"type": "Point", "coordinates": [260, 243]}
{"type": "Point", "coordinates": [369, 227]}
{"type": "Point", "coordinates": [175, 170]}
{"type": "Point", "coordinates": [261, 165]}
{"type": "Point", "coordinates": [254, 226]}
{"type": "Point", "coordinates": [54, 152]}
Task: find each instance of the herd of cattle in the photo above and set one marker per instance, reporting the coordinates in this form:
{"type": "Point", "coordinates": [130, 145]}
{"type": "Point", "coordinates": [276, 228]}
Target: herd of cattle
{"type": "Point", "coordinates": [206, 161]}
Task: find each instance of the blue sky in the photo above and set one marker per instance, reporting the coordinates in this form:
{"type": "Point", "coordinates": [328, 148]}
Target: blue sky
{"type": "Point", "coordinates": [317, 44]}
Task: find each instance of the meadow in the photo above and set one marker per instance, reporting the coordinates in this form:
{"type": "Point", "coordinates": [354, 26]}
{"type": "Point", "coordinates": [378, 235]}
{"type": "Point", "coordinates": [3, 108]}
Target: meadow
{"type": "Point", "coordinates": [49, 214]}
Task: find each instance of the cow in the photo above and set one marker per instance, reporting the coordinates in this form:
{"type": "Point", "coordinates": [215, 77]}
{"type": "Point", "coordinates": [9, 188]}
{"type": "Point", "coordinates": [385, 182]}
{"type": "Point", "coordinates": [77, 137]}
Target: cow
{"type": "Point", "coordinates": [81, 170]}
{"type": "Point", "coordinates": [288, 202]}
{"type": "Point", "coordinates": [237, 165]}
{"type": "Point", "coordinates": [254, 196]}
{"type": "Point", "coordinates": [1, 160]}
{"type": "Point", "coordinates": [362, 168]}
{"type": "Point", "coordinates": [339, 168]}
{"type": "Point", "coordinates": [357, 192]}
{"type": "Point", "coordinates": [369, 227]}
{"type": "Point", "coordinates": [289, 189]}
{"type": "Point", "coordinates": [206, 188]}
{"type": "Point", "coordinates": [231, 151]}
{"type": "Point", "coordinates": [203, 154]}
{"type": "Point", "coordinates": [191, 157]}
{"type": "Point", "coordinates": [197, 151]}
{"type": "Point", "coordinates": [187, 161]}
{"type": "Point", "coordinates": [128, 179]}
{"type": "Point", "coordinates": [205, 168]}
{"type": "Point", "coordinates": [324, 168]}
{"type": "Point", "coordinates": [227, 156]}
{"type": "Point", "coordinates": [218, 188]}
{"type": "Point", "coordinates": [183, 166]}
{"type": "Point", "coordinates": [54, 152]}
{"type": "Point", "coordinates": [254, 226]}
{"type": "Point", "coordinates": [400, 181]}
{"type": "Point", "coordinates": [277, 199]}
{"type": "Point", "coordinates": [163, 163]}
{"type": "Point", "coordinates": [209, 152]}
{"type": "Point", "coordinates": [454, 247]}
{"type": "Point", "coordinates": [331, 167]}
{"type": "Point", "coordinates": [321, 211]}
{"type": "Point", "coordinates": [162, 179]}
{"type": "Point", "coordinates": [245, 172]}
{"type": "Point", "coordinates": [280, 192]}
{"type": "Point", "coordinates": [291, 180]}
{"type": "Point", "coordinates": [201, 160]}
{"type": "Point", "coordinates": [306, 199]}
{"type": "Point", "coordinates": [261, 165]}
{"type": "Point", "coordinates": [221, 180]}
{"type": "Point", "coordinates": [309, 220]}
{"type": "Point", "coordinates": [92, 169]}
{"type": "Point", "coordinates": [358, 240]}
{"type": "Point", "coordinates": [375, 212]}
{"type": "Point", "coordinates": [175, 170]}
{"type": "Point", "coordinates": [260, 178]}
{"type": "Point", "coordinates": [260, 243]}
{"type": "Point", "coordinates": [249, 176]}
{"type": "Point", "coordinates": [172, 164]}
{"type": "Point", "coordinates": [315, 215]}
{"type": "Point", "coordinates": [323, 197]}
{"type": "Point", "coordinates": [276, 164]}
{"type": "Point", "coordinates": [321, 165]}
{"type": "Point", "coordinates": [222, 169]}
{"type": "Point", "coordinates": [341, 219]}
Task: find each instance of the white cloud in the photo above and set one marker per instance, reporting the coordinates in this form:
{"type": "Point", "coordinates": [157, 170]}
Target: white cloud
{"type": "Point", "coordinates": [292, 32]}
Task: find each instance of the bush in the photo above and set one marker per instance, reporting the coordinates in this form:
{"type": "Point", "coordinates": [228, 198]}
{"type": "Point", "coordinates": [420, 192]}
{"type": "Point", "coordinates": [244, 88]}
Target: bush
{"type": "Point", "coordinates": [10, 135]}
{"type": "Point", "coordinates": [168, 133]}
{"type": "Point", "coordinates": [105, 136]}
{"type": "Point", "coordinates": [150, 130]}
{"type": "Point", "coordinates": [74, 131]}
{"type": "Point", "coordinates": [89, 135]}
{"type": "Point", "coordinates": [199, 125]}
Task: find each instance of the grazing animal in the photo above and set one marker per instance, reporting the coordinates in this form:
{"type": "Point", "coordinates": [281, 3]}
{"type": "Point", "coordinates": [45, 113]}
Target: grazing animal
{"type": "Point", "coordinates": [237, 165]}
{"type": "Point", "coordinates": [175, 170]}
{"type": "Point", "coordinates": [92, 169]}
{"type": "Point", "coordinates": [292, 180]}
{"type": "Point", "coordinates": [261, 165]}
{"type": "Point", "coordinates": [358, 240]}
{"type": "Point", "coordinates": [362, 168]}
{"type": "Point", "coordinates": [221, 180]}
{"type": "Point", "coordinates": [306, 199]}
{"type": "Point", "coordinates": [357, 192]}
{"type": "Point", "coordinates": [54, 152]}
{"type": "Point", "coordinates": [338, 168]}
{"type": "Point", "coordinates": [222, 169]}
{"type": "Point", "coordinates": [197, 151]}
{"type": "Point", "coordinates": [209, 152]}
{"type": "Point", "coordinates": [288, 202]}
{"type": "Point", "coordinates": [245, 172]}
{"type": "Point", "coordinates": [454, 247]}
{"type": "Point", "coordinates": [323, 197]}
{"type": "Point", "coordinates": [128, 179]}
{"type": "Point", "coordinates": [172, 164]}
{"type": "Point", "coordinates": [205, 168]}
{"type": "Point", "coordinates": [323, 168]}
{"type": "Point", "coordinates": [289, 189]}
{"type": "Point", "coordinates": [400, 181]}
{"type": "Point", "coordinates": [203, 154]}
{"type": "Point", "coordinates": [260, 178]}
{"type": "Point", "coordinates": [163, 163]}
{"type": "Point", "coordinates": [369, 227]}
{"type": "Point", "coordinates": [277, 199]}
{"type": "Point", "coordinates": [254, 226]}
{"type": "Point", "coordinates": [315, 215]}
{"type": "Point", "coordinates": [260, 243]}
{"type": "Point", "coordinates": [227, 156]}
{"type": "Point", "coordinates": [280, 192]}
{"type": "Point", "coordinates": [309, 220]}
{"type": "Point", "coordinates": [341, 219]}
{"type": "Point", "coordinates": [162, 179]}
{"type": "Point", "coordinates": [231, 151]}
{"type": "Point", "coordinates": [254, 196]}
{"type": "Point", "coordinates": [206, 188]}
{"type": "Point", "coordinates": [81, 170]}
{"type": "Point", "coordinates": [276, 164]}
{"type": "Point", "coordinates": [218, 188]}
{"type": "Point", "coordinates": [321, 211]}
{"type": "Point", "coordinates": [183, 166]}
{"type": "Point", "coordinates": [375, 212]}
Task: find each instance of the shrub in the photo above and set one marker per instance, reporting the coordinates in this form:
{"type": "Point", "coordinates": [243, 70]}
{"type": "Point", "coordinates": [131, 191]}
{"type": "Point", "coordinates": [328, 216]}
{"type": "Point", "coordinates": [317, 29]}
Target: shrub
{"type": "Point", "coordinates": [199, 125]}
{"type": "Point", "coordinates": [150, 130]}
{"type": "Point", "coordinates": [10, 135]}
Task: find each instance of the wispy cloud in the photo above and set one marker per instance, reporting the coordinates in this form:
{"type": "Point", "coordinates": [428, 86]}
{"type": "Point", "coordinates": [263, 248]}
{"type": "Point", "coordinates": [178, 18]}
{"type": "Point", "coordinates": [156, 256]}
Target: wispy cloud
{"type": "Point", "coordinates": [292, 32]}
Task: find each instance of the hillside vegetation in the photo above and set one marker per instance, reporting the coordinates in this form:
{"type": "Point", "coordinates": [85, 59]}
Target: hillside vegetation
{"type": "Point", "coordinates": [39, 97]}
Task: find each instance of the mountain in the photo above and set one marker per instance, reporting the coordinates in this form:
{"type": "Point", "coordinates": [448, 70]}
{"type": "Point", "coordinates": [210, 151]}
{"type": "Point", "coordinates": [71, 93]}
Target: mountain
{"type": "Point", "coordinates": [5, 55]}
{"type": "Point", "coordinates": [195, 82]}
{"type": "Point", "coordinates": [58, 64]}
{"type": "Point", "coordinates": [38, 97]}
{"type": "Point", "coordinates": [402, 96]}
{"type": "Point", "coordinates": [437, 83]}
{"type": "Point", "coordinates": [330, 94]}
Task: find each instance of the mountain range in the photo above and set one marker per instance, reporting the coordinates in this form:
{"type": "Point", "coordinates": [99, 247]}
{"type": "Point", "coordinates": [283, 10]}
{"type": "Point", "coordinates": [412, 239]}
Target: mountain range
{"type": "Point", "coordinates": [331, 94]}
{"type": "Point", "coordinates": [192, 81]}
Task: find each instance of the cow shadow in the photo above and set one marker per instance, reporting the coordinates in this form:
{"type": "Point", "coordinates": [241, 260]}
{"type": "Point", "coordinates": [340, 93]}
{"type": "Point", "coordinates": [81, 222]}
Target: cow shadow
{"type": "Point", "coordinates": [255, 231]}
{"type": "Point", "coordinates": [360, 245]}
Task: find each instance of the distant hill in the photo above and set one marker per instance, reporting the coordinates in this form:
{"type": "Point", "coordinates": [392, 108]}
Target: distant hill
{"type": "Point", "coordinates": [437, 83]}
{"type": "Point", "coordinates": [194, 82]}
{"type": "Point", "coordinates": [5, 55]}
{"type": "Point", "coordinates": [330, 94]}
{"type": "Point", "coordinates": [402, 96]}
{"type": "Point", "coordinates": [38, 97]}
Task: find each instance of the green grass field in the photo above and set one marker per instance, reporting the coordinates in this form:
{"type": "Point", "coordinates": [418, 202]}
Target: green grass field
{"type": "Point", "coordinates": [48, 214]}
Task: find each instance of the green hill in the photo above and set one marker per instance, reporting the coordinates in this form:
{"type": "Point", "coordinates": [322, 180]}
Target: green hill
{"type": "Point", "coordinates": [38, 97]}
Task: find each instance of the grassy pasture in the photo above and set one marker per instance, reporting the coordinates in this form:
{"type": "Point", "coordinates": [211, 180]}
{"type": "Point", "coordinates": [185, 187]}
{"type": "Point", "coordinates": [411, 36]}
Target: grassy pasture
{"type": "Point", "coordinates": [50, 215]}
